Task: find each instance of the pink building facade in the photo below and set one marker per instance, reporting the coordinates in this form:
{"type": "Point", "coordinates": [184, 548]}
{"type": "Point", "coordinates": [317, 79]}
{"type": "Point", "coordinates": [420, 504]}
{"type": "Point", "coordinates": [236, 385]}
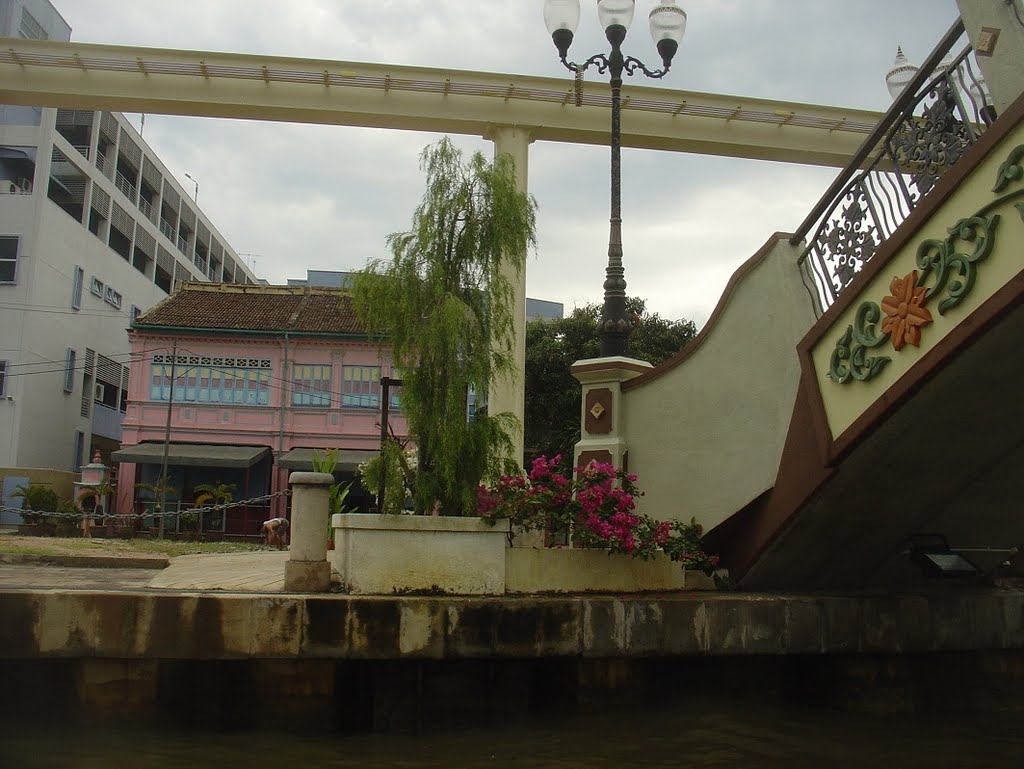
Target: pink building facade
{"type": "Point", "coordinates": [261, 377]}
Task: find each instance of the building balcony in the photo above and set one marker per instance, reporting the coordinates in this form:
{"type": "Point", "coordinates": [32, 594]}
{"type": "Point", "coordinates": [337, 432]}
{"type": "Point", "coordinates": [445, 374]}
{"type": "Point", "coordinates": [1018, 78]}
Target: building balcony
{"type": "Point", "coordinates": [106, 422]}
{"type": "Point", "coordinates": [126, 187]}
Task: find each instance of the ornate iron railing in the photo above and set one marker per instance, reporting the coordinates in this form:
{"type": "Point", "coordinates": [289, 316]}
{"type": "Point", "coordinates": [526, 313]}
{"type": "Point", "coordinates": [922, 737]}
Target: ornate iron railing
{"type": "Point", "coordinates": [940, 113]}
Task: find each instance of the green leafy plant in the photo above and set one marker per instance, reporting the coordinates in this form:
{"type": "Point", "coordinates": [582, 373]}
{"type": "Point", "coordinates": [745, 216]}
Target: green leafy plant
{"type": "Point", "coordinates": [444, 305]}
{"type": "Point", "coordinates": [37, 499]}
{"type": "Point", "coordinates": [598, 504]}
{"type": "Point", "coordinates": [393, 466]}
{"type": "Point", "coordinates": [325, 462]}
{"type": "Point", "coordinates": [205, 494]}
{"type": "Point", "coordinates": [157, 491]}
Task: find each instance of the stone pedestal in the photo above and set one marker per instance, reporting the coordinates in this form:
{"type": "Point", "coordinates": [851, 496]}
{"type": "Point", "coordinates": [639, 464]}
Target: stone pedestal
{"type": "Point", "coordinates": [602, 412]}
{"type": "Point", "coordinates": [307, 569]}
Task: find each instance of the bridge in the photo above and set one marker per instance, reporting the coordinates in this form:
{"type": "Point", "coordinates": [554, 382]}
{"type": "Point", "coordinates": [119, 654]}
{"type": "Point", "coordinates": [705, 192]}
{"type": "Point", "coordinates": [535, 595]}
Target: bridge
{"type": "Point", "coordinates": [510, 110]}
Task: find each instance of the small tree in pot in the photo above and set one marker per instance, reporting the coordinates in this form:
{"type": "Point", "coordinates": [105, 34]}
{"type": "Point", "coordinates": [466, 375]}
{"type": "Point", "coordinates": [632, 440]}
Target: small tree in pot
{"type": "Point", "coordinates": [445, 304]}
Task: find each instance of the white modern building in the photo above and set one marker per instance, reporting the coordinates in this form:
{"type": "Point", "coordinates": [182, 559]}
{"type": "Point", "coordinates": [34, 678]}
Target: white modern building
{"type": "Point", "coordinates": [93, 230]}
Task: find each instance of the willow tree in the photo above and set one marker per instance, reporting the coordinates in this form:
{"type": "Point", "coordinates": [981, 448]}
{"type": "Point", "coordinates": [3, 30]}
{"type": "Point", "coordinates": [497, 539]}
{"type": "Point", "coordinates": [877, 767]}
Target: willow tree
{"type": "Point", "coordinates": [444, 305]}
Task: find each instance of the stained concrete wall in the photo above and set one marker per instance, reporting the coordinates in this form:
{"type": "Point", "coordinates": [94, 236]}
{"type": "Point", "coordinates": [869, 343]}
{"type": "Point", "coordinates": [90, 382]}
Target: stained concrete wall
{"type": "Point", "coordinates": [123, 625]}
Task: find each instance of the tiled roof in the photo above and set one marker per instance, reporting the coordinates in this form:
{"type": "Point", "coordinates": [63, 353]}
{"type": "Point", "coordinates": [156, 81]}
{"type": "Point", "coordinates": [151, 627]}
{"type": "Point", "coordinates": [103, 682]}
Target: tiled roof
{"type": "Point", "coordinates": [299, 309]}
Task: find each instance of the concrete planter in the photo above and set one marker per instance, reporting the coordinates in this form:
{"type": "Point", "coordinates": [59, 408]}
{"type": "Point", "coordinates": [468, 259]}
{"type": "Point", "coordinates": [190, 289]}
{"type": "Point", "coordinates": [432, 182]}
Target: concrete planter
{"type": "Point", "coordinates": [386, 554]}
{"type": "Point", "coordinates": [569, 570]}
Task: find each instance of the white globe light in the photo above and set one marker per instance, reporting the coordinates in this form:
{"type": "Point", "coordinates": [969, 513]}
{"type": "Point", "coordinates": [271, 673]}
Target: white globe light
{"type": "Point", "coordinates": [616, 12]}
{"type": "Point", "coordinates": [668, 22]}
{"type": "Point", "coordinates": [561, 14]}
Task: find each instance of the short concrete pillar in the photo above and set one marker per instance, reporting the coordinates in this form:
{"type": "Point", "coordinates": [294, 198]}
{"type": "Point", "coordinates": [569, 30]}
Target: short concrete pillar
{"type": "Point", "coordinates": [307, 569]}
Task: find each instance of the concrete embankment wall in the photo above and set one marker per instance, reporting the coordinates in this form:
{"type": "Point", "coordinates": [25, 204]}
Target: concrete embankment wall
{"type": "Point", "coordinates": [406, 663]}
{"type": "Point", "coordinates": [125, 625]}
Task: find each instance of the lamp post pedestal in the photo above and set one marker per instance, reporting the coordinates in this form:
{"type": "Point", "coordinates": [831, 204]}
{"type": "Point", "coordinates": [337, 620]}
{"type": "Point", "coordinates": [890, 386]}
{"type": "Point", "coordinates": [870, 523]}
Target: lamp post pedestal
{"type": "Point", "coordinates": [602, 426]}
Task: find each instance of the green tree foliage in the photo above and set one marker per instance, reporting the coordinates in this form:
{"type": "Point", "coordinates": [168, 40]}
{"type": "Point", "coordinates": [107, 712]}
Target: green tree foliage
{"type": "Point", "coordinates": [553, 395]}
{"type": "Point", "coordinates": [440, 302]}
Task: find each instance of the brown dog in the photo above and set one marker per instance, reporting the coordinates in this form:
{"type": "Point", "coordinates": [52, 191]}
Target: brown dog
{"type": "Point", "coordinates": [276, 532]}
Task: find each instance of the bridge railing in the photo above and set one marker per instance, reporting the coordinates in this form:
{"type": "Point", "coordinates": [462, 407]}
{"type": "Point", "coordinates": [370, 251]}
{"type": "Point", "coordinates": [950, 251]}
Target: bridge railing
{"type": "Point", "coordinates": [937, 117]}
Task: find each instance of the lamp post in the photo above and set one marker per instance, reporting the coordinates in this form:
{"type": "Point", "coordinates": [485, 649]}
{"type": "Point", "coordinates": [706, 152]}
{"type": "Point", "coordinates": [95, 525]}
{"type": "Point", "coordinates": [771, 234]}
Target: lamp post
{"type": "Point", "coordinates": [667, 23]}
{"type": "Point", "coordinates": [195, 196]}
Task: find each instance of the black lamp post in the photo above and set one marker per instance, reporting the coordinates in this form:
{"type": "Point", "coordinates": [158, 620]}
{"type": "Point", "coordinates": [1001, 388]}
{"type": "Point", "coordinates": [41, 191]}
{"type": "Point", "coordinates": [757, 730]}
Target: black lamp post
{"type": "Point", "coordinates": [668, 22]}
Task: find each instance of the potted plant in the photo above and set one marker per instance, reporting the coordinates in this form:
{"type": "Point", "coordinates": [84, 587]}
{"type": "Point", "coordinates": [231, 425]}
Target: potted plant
{"type": "Point", "coordinates": [614, 548]}
{"type": "Point", "coordinates": [37, 500]}
{"type": "Point", "coordinates": [325, 462]}
{"type": "Point", "coordinates": [217, 494]}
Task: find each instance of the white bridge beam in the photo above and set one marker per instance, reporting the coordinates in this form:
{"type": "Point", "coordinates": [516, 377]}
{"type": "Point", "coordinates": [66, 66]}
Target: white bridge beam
{"type": "Point", "coordinates": [227, 85]}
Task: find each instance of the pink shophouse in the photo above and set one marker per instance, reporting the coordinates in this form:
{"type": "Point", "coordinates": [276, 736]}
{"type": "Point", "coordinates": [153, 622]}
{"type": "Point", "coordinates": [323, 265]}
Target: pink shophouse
{"type": "Point", "coordinates": [262, 377]}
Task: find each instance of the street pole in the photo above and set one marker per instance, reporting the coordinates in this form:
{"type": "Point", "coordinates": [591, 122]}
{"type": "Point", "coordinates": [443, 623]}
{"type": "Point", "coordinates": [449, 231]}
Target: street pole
{"type": "Point", "coordinates": [667, 23]}
{"type": "Point", "coordinates": [167, 443]}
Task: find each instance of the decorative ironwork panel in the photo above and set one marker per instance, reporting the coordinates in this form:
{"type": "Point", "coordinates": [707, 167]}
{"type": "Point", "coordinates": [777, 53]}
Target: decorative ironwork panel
{"type": "Point", "coordinates": [926, 146]}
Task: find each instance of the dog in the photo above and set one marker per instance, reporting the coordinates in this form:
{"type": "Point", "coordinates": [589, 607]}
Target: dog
{"type": "Point", "coordinates": [276, 532]}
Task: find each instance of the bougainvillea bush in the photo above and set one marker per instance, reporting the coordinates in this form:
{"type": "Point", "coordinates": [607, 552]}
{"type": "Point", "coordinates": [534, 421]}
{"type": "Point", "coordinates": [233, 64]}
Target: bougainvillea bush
{"type": "Point", "coordinates": [598, 506]}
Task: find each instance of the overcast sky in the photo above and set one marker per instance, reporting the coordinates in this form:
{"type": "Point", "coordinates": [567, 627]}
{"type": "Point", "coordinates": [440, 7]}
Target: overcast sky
{"type": "Point", "coordinates": [325, 197]}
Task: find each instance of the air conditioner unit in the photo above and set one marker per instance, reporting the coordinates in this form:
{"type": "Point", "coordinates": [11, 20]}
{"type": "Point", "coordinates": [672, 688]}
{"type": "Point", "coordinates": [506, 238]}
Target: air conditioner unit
{"type": "Point", "coordinates": [100, 392]}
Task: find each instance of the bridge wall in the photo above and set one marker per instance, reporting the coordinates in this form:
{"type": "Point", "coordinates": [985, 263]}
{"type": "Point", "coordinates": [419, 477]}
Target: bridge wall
{"type": "Point", "coordinates": [705, 430]}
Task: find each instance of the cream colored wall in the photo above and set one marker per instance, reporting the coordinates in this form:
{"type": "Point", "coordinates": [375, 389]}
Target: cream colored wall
{"type": "Point", "coordinates": [844, 403]}
{"type": "Point", "coordinates": [1004, 69]}
{"type": "Point", "coordinates": [706, 437]}
{"type": "Point", "coordinates": [60, 481]}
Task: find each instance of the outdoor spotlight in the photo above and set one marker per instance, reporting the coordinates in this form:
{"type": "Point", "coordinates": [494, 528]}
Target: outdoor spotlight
{"type": "Point", "coordinates": [932, 554]}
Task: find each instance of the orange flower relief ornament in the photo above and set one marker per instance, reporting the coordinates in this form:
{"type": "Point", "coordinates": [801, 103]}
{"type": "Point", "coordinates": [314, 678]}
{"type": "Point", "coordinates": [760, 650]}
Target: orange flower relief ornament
{"type": "Point", "coordinates": [904, 314]}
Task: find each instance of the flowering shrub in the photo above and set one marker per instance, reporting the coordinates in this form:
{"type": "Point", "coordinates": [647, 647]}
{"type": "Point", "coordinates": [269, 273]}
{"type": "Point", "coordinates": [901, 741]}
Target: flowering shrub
{"type": "Point", "coordinates": [598, 506]}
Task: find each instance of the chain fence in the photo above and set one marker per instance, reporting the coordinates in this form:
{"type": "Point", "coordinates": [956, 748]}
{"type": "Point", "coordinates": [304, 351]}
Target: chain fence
{"type": "Point", "coordinates": [79, 515]}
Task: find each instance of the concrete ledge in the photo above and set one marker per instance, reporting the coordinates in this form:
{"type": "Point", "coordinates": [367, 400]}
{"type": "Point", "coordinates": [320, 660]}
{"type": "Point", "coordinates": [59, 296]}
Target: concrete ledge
{"type": "Point", "coordinates": [139, 625]}
{"type": "Point", "coordinates": [403, 554]}
{"type": "Point", "coordinates": [430, 523]}
{"type": "Point", "coordinates": [88, 561]}
{"type": "Point", "coordinates": [574, 570]}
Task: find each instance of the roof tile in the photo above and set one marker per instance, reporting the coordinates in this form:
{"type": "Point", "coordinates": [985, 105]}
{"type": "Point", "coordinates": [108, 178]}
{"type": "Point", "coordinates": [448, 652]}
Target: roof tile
{"type": "Point", "coordinates": [274, 309]}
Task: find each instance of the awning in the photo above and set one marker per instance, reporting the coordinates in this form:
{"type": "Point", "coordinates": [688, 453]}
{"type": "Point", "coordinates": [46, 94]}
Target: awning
{"type": "Point", "coordinates": [12, 153]}
{"type": "Point", "coordinates": [348, 459]}
{"type": "Point", "coordinates": [192, 455]}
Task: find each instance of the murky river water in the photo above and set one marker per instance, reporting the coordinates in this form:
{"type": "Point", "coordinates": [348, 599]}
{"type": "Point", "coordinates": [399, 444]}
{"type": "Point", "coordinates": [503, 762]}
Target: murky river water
{"type": "Point", "coordinates": [730, 735]}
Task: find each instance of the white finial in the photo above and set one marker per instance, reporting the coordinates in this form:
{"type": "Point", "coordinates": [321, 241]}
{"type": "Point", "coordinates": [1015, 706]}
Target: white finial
{"type": "Point", "coordinates": [900, 75]}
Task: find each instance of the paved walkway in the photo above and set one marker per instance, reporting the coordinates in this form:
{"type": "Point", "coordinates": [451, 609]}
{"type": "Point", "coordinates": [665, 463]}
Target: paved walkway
{"type": "Point", "coordinates": [257, 572]}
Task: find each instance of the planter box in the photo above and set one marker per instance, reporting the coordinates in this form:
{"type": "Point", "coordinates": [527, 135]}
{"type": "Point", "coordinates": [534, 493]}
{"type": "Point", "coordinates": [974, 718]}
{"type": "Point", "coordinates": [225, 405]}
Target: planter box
{"type": "Point", "coordinates": [386, 554]}
{"type": "Point", "coordinates": [569, 570]}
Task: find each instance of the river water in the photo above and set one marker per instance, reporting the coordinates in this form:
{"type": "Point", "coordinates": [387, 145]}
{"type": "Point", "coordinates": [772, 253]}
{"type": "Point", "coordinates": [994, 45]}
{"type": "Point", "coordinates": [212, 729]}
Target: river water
{"type": "Point", "coordinates": [727, 734]}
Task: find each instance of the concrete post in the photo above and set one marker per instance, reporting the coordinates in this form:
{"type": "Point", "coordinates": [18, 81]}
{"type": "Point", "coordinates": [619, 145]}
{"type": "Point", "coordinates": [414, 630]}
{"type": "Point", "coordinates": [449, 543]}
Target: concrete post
{"type": "Point", "coordinates": [997, 34]}
{"type": "Point", "coordinates": [307, 569]}
{"type": "Point", "coordinates": [602, 413]}
{"type": "Point", "coordinates": [508, 394]}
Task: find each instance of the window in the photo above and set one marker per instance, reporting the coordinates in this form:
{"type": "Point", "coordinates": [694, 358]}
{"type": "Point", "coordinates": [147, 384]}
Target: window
{"type": "Point", "coordinates": [112, 297]}
{"type": "Point", "coordinates": [395, 391]}
{"type": "Point", "coordinates": [78, 283]}
{"type": "Point", "coordinates": [135, 312]}
{"type": "Point", "coordinates": [360, 387]}
{"type": "Point", "coordinates": [69, 371]}
{"type": "Point", "coordinates": [96, 287]}
{"type": "Point", "coordinates": [311, 386]}
{"type": "Point", "coordinates": [30, 29]}
{"type": "Point", "coordinates": [79, 451]}
{"type": "Point", "coordinates": [209, 384]}
{"type": "Point", "coordinates": [8, 258]}
{"type": "Point", "coordinates": [3, 378]}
